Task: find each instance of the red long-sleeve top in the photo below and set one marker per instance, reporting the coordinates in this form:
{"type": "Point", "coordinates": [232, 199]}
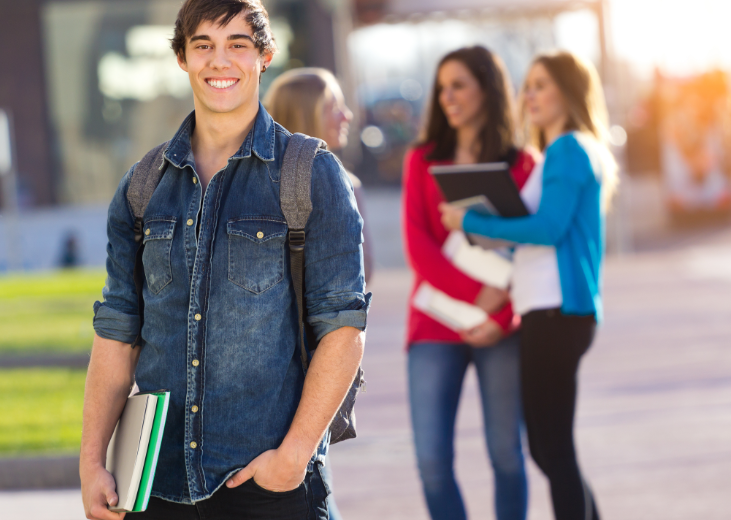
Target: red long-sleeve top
{"type": "Point", "coordinates": [424, 236]}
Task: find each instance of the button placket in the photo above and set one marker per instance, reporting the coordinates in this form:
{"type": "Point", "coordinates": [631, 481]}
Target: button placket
{"type": "Point", "coordinates": [199, 281]}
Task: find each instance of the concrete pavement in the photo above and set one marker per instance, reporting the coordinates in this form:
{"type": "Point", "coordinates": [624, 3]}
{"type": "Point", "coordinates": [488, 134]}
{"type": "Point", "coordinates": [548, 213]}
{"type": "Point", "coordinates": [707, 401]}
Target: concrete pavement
{"type": "Point", "coordinates": [654, 417]}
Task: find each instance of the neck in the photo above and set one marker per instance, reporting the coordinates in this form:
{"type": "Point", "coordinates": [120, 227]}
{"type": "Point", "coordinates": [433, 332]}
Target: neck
{"type": "Point", "coordinates": [221, 134]}
{"type": "Point", "coordinates": [467, 142]}
{"type": "Point", "coordinates": [554, 130]}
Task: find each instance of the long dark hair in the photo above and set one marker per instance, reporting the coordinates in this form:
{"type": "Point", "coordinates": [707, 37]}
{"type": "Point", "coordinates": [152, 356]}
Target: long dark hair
{"type": "Point", "coordinates": [497, 136]}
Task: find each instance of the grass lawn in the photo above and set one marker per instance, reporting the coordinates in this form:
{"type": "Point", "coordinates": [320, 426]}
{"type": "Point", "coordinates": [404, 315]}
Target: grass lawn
{"type": "Point", "coordinates": [50, 311]}
{"type": "Point", "coordinates": [41, 411]}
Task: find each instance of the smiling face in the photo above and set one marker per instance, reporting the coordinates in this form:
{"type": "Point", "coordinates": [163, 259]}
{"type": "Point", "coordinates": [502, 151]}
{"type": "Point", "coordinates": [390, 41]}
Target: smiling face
{"type": "Point", "coordinates": [336, 118]}
{"type": "Point", "coordinates": [223, 66]}
{"type": "Point", "coordinates": [460, 95]}
{"type": "Point", "coordinates": [544, 102]}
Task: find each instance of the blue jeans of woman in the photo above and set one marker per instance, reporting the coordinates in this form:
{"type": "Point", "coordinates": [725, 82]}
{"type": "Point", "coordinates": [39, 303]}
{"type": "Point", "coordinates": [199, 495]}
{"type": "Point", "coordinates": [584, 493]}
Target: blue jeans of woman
{"type": "Point", "coordinates": [436, 373]}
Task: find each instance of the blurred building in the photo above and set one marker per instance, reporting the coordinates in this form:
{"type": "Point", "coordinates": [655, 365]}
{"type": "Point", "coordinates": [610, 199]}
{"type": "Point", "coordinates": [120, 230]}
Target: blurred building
{"type": "Point", "coordinates": [92, 84]}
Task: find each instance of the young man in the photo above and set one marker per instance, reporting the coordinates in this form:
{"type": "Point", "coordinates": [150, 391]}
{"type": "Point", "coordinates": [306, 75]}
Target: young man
{"type": "Point", "coordinates": [244, 429]}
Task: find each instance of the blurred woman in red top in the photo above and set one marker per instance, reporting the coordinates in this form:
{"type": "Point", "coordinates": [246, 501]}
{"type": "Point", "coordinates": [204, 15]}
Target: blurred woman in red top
{"type": "Point", "coordinates": [470, 121]}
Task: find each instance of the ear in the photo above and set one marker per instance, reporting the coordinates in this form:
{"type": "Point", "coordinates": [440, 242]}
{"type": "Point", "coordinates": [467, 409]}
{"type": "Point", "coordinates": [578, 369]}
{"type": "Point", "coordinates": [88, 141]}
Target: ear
{"type": "Point", "coordinates": [181, 62]}
{"type": "Point", "coordinates": [266, 59]}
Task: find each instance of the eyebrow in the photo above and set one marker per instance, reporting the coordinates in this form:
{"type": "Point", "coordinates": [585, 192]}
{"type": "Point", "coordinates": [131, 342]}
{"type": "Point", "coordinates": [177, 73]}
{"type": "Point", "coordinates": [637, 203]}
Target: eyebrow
{"type": "Point", "coordinates": [230, 38]}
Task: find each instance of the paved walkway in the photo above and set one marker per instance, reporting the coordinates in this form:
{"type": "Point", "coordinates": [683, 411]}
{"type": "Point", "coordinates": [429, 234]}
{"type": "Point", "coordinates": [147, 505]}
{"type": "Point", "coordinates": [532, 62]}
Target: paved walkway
{"type": "Point", "coordinates": [654, 418]}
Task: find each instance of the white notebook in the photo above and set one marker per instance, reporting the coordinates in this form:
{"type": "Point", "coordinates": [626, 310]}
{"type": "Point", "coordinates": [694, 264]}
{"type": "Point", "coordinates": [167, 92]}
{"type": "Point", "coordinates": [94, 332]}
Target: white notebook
{"type": "Point", "coordinates": [491, 267]}
{"type": "Point", "coordinates": [127, 449]}
{"type": "Point", "coordinates": [450, 312]}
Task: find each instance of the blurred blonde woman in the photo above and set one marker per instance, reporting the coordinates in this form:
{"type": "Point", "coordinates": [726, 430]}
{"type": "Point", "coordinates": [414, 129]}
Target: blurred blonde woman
{"type": "Point", "coordinates": [310, 101]}
{"type": "Point", "coordinates": [558, 264]}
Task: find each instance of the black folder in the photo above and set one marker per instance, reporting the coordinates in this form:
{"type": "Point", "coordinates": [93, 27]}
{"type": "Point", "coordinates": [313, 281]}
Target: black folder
{"type": "Point", "coordinates": [483, 187]}
{"type": "Point", "coordinates": [467, 184]}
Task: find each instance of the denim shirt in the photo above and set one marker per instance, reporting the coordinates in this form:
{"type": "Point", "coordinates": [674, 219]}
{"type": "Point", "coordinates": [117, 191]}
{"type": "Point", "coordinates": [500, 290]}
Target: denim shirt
{"type": "Point", "coordinates": [220, 318]}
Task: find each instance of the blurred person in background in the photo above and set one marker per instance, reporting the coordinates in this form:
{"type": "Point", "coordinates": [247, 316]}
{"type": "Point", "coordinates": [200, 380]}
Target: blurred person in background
{"type": "Point", "coordinates": [69, 251]}
{"type": "Point", "coordinates": [310, 101]}
{"type": "Point", "coordinates": [557, 281]}
{"type": "Point", "coordinates": [470, 121]}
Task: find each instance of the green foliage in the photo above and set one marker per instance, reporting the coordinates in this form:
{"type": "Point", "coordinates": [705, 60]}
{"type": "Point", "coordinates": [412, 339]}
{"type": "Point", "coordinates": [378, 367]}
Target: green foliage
{"type": "Point", "coordinates": [42, 411]}
{"type": "Point", "coordinates": [49, 311]}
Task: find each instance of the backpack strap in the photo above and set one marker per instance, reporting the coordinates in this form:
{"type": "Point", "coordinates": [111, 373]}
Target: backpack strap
{"type": "Point", "coordinates": [294, 198]}
{"type": "Point", "coordinates": [145, 178]}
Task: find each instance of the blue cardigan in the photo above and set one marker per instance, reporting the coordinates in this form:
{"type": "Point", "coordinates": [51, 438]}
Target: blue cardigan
{"type": "Point", "coordinates": [569, 218]}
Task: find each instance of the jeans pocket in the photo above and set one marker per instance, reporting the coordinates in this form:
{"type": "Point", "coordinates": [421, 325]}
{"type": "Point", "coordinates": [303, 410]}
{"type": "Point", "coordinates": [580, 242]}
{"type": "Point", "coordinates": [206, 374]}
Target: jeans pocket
{"type": "Point", "coordinates": [253, 484]}
{"type": "Point", "coordinates": [256, 252]}
{"type": "Point", "coordinates": [158, 242]}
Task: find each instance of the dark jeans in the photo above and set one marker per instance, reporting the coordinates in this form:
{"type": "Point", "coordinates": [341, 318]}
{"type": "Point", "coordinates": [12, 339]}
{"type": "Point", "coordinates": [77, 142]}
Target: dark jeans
{"type": "Point", "coordinates": [552, 344]}
{"type": "Point", "coordinates": [248, 501]}
{"type": "Point", "coordinates": [436, 373]}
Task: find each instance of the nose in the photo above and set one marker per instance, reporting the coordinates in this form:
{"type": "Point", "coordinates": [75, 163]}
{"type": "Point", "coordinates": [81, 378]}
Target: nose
{"type": "Point", "coordinates": [220, 60]}
{"type": "Point", "coordinates": [347, 114]}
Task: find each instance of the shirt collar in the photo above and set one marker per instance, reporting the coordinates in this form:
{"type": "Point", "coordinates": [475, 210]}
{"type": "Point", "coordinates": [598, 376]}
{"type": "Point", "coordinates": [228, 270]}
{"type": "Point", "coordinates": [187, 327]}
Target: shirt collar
{"type": "Point", "coordinates": [259, 141]}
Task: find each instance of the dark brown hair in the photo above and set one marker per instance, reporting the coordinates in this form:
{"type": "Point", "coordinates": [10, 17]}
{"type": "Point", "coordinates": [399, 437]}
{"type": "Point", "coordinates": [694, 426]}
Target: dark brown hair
{"type": "Point", "coordinates": [194, 12]}
{"type": "Point", "coordinates": [497, 137]}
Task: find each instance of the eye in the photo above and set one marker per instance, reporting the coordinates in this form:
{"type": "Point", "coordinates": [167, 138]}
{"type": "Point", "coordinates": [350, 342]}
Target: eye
{"type": "Point", "coordinates": [203, 46]}
{"type": "Point", "coordinates": [239, 46]}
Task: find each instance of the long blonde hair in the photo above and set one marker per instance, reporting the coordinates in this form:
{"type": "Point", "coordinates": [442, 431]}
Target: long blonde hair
{"type": "Point", "coordinates": [582, 92]}
{"type": "Point", "coordinates": [295, 99]}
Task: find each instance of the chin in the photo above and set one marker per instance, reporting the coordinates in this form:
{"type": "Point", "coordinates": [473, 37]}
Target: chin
{"type": "Point", "coordinates": [223, 108]}
{"type": "Point", "coordinates": [455, 123]}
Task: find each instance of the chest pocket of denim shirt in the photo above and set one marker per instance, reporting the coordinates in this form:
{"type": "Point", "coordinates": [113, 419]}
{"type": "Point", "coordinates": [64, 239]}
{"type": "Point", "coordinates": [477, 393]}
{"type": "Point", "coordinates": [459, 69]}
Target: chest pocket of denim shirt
{"type": "Point", "coordinates": [256, 252]}
{"type": "Point", "coordinates": [158, 241]}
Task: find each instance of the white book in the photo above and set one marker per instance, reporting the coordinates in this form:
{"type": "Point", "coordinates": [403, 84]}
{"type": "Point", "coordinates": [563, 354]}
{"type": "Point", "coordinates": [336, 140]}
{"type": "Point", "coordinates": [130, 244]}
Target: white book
{"type": "Point", "coordinates": [127, 449]}
{"type": "Point", "coordinates": [491, 267]}
{"type": "Point", "coordinates": [453, 313]}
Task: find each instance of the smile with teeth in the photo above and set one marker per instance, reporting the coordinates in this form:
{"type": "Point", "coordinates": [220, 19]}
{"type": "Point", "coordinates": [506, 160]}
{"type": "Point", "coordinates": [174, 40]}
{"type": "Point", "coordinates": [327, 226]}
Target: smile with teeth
{"type": "Point", "coordinates": [221, 83]}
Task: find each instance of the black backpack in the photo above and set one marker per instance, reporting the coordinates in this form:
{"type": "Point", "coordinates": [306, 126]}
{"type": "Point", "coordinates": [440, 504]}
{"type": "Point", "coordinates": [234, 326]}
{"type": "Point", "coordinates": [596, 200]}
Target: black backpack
{"type": "Point", "coordinates": [296, 204]}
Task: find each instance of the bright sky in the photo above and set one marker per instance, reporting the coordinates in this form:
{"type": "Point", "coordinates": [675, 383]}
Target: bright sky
{"type": "Point", "coordinates": [681, 36]}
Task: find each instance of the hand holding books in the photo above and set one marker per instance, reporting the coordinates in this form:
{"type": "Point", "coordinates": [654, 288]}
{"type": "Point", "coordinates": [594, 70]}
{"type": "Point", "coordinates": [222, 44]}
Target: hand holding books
{"type": "Point", "coordinates": [452, 216]}
{"type": "Point", "coordinates": [134, 447]}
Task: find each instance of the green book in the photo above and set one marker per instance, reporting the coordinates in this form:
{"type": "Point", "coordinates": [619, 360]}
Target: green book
{"type": "Point", "coordinates": [134, 448]}
{"type": "Point", "coordinates": [153, 450]}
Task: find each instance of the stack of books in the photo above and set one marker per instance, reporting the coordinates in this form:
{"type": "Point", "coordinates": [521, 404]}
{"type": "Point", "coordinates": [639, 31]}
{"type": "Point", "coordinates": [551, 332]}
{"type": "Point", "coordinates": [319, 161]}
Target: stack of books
{"type": "Point", "coordinates": [134, 448]}
{"type": "Point", "coordinates": [492, 267]}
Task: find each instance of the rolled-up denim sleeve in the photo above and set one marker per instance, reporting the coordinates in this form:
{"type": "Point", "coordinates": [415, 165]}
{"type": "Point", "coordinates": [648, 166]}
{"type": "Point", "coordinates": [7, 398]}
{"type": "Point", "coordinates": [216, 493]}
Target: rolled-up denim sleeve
{"type": "Point", "coordinates": [117, 316]}
{"type": "Point", "coordinates": [334, 271]}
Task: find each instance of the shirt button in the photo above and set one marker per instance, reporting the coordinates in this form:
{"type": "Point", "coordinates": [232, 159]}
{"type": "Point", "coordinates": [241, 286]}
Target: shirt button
{"type": "Point", "coordinates": [260, 235]}
{"type": "Point", "coordinates": [197, 317]}
{"type": "Point", "coordinates": [147, 231]}
{"type": "Point", "coordinates": [195, 180]}
{"type": "Point", "coordinates": [196, 362]}
{"type": "Point", "coordinates": [194, 445]}
{"type": "Point", "coordinates": [190, 222]}
{"type": "Point", "coordinates": [194, 409]}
